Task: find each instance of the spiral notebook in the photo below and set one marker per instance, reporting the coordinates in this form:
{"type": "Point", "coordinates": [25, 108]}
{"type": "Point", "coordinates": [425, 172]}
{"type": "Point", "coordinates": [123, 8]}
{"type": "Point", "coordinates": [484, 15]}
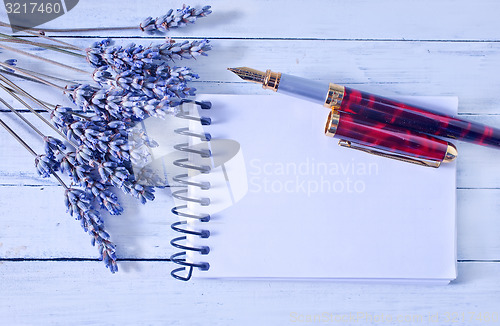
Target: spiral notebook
{"type": "Point", "coordinates": [286, 202]}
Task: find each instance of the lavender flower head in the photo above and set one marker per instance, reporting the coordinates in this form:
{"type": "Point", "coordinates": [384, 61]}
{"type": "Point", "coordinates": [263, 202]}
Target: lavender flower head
{"type": "Point", "coordinates": [79, 205]}
{"type": "Point", "coordinates": [179, 18]}
{"type": "Point", "coordinates": [138, 57]}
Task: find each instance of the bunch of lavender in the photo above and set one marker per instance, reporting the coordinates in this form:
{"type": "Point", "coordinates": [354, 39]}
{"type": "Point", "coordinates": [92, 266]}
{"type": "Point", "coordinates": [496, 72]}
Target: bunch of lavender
{"type": "Point", "coordinates": [79, 203]}
{"type": "Point", "coordinates": [100, 146]}
{"type": "Point", "coordinates": [105, 147]}
{"type": "Point", "coordinates": [143, 73]}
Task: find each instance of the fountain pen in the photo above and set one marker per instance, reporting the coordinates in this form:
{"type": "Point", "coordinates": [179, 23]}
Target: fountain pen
{"type": "Point", "coordinates": [379, 125]}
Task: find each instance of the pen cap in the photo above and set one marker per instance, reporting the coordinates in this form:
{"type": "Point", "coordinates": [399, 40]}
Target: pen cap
{"type": "Point", "coordinates": [387, 140]}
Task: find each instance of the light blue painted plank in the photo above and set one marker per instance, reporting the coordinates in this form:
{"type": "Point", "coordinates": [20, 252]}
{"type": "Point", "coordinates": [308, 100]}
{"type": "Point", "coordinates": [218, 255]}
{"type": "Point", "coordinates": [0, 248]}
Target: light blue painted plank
{"type": "Point", "coordinates": [144, 293]}
{"type": "Point", "coordinates": [388, 19]}
{"type": "Point", "coordinates": [34, 224]}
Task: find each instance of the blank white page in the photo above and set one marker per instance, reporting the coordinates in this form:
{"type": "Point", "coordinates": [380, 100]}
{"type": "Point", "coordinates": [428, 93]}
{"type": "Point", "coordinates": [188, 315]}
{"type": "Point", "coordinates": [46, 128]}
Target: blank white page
{"type": "Point", "coordinates": [288, 202]}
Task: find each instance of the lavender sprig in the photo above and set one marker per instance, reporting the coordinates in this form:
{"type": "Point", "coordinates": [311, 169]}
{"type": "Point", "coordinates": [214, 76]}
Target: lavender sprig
{"type": "Point", "coordinates": [120, 177]}
{"type": "Point", "coordinates": [179, 18]}
{"type": "Point", "coordinates": [117, 104]}
{"type": "Point", "coordinates": [157, 82]}
{"type": "Point", "coordinates": [109, 157]}
{"type": "Point", "coordinates": [78, 167]}
{"type": "Point", "coordinates": [171, 20]}
{"type": "Point", "coordinates": [78, 204]}
{"type": "Point", "coordinates": [138, 57]}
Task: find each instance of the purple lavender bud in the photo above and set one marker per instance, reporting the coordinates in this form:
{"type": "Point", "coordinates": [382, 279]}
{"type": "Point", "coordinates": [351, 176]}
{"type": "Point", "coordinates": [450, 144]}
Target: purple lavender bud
{"type": "Point", "coordinates": [184, 50]}
{"type": "Point", "coordinates": [84, 156]}
{"type": "Point", "coordinates": [110, 202]}
{"type": "Point", "coordinates": [104, 235]}
{"type": "Point", "coordinates": [65, 166]}
{"type": "Point", "coordinates": [143, 195]}
{"type": "Point", "coordinates": [102, 75]}
{"type": "Point", "coordinates": [147, 23]}
{"type": "Point", "coordinates": [107, 255]}
{"type": "Point", "coordinates": [148, 194]}
{"type": "Point", "coordinates": [61, 116]}
{"type": "Point", "coordinates": [82, 171]}
{"type": "Point", "coordinates": [10, 62]}
{"type": "Point", "coordinates": [45, 165]}
{"type": "Point", "coordinates": [53, 146]}
{"type": "Point", "coordinates": [104, 172]}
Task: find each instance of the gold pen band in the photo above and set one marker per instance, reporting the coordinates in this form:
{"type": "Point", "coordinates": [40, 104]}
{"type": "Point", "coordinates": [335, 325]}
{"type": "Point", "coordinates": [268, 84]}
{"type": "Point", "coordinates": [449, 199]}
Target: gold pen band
{"type": "Point", "coordinates": [332, 123]}
{"type": "Point", "coordinates": [271, 80]}
{"type": "Point", "coordinates": [334, 96]}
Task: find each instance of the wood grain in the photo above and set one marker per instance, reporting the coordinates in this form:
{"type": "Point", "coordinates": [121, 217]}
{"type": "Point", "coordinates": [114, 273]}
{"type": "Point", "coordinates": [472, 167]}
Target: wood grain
{"type": "Point", "coordinates": [318, 19]}
{"type": "Point", "coordinates": [144, 293]}
{"type": "Point", "coordinates": [42, 229]}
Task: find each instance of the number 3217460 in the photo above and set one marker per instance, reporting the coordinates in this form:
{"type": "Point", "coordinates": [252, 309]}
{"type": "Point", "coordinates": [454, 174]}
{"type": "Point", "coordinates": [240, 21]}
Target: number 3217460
{"type": "Point", "coordinates": [33, 8]}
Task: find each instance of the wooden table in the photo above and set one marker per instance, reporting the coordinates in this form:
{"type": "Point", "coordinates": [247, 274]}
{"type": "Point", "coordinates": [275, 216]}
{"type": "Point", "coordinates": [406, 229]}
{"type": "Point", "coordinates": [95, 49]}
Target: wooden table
{"type": "Point", "coordinates": [49, 273]}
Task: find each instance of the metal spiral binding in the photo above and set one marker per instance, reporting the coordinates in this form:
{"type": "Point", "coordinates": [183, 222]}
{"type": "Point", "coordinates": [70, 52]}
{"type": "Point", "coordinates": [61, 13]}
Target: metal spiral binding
{"type": "Point", "coordinates": [182, 210]}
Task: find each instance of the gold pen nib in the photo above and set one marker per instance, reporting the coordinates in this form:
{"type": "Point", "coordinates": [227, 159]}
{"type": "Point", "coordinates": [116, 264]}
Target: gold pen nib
{"type": "Point", "coordinates": [249, 74]}
{"type": "Point", "coordinates": [268, 79]}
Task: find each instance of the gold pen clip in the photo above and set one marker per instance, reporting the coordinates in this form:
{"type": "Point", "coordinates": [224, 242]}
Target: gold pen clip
{"type": "Point", "coordinates": [379, 152]}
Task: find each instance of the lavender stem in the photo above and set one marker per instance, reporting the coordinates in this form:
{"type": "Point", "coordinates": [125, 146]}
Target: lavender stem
{"type": "Point", "coordinates": [32, 76]}
{"type": "Point", "coordinates": [19, 139]}
{"type": "Point", "coordinates": [22, 142]}
{"type": "Point", "coordinates": [62, 49]}
{"type": "Point", "coordinates": [32, 110]}
{"type": "Point", "coordinates": [42, 59]}
{"type": "Point", "coordinates": [36, 73]}
{"type": "Point", "coordinates": [69, 45]}
{"type": "Point", "coordinates": [12, 39]}
{"type": "Point", "coordinates": [20, 116]}
{"type": "Point", "coordinates": [14, 74]}
{"type": "Point", "coordinates": [31, 80]}
{"type": "Point", "coordinates": [62, 30]}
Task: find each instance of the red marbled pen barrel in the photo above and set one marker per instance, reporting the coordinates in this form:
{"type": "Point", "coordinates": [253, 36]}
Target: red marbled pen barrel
{"type": "Point", "coordinates": [369, 107]}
